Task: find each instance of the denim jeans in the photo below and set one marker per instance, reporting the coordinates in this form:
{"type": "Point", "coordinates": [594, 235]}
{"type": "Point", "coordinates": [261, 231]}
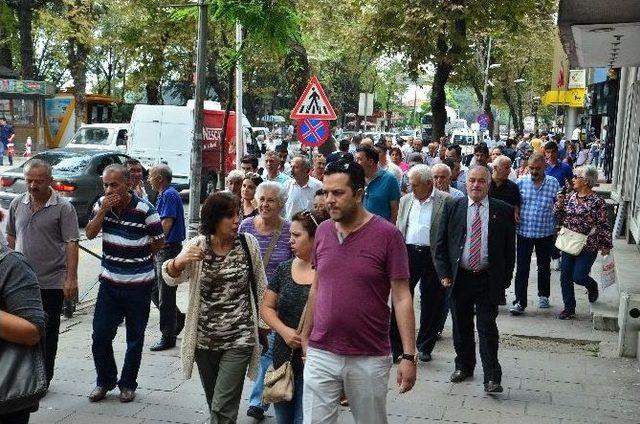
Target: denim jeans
{"type": "Point", "coordinates": [575, 269]}
{"type": "Point", "coordinates": [524, 251]}
{"type": "Point", "coordinates": [291, 412]}
{"type": "Point", "coordinates": [255, 399]}
{"type": "Point", "coordinates": [114, 304]}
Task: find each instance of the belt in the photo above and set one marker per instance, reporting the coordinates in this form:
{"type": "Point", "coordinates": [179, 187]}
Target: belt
{"type": "Point", "coordinates": [418, 247]}
{"type": "Point", "coordinates": [479, 273]}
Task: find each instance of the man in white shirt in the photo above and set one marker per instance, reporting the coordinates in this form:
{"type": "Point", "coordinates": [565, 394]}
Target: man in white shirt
{"type": "Point", "coordinates": [442, 180]}
{"type": "Point", "coordinates": [419, 216]}
{"type": "Point", "coordinates": [301, 189]}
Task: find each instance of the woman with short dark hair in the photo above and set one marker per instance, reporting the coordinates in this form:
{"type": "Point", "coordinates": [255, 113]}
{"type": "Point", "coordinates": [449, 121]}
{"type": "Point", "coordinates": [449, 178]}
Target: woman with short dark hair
{"type": "Point", "coordinates": [227, 281]}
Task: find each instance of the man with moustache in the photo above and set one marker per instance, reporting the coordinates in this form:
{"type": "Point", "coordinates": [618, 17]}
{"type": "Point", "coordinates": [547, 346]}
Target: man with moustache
{"type": "Point", "coordinates": [43, 226]}
{"type": "Point", "coordinates": [475, 256]}
{"type": "Point", "coordinates": [131, 234]}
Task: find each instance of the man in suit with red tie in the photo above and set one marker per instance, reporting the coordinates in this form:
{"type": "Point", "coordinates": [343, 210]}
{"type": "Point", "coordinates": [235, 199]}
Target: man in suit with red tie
{"type": "Point", "coordinates": [475, 256]}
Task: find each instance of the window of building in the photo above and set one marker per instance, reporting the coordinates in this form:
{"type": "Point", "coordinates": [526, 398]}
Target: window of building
{"type": "Point", "coordinates": [18, 111]}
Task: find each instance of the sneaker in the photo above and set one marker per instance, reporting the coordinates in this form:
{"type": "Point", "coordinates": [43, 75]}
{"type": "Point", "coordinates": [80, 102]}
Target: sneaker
{"type": "Point", "coordinates": [516, 309]}
{"type": "Point", "coordinates": [567, 314]}
{"type": "Point", "coordinates": [255, 412]}
{"type": "Point", "coordinates": [543, 302]}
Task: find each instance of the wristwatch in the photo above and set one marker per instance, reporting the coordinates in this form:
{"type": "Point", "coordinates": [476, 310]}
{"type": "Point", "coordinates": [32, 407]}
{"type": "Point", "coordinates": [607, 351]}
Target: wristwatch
{"type": "Point", "coordinates": [408, 357]}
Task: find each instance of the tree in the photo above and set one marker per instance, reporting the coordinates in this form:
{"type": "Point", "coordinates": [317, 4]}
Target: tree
{"type": "Point", "coordinates": [438, 32]}
{"type": "Point", "coordinates": [24, 10]}
{"type": "Point", "coordinates": [8, 29]}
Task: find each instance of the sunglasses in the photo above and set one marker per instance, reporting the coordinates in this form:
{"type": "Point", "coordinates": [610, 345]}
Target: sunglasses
{"type": "Point", "coordinates": [307, 214]}
{"type": "Point", "coordinates": [577, 176]}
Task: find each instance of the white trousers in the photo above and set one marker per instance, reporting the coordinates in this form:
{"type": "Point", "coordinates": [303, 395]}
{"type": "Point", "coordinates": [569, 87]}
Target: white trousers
{"type": "Point", "coordinates": [363, 378]}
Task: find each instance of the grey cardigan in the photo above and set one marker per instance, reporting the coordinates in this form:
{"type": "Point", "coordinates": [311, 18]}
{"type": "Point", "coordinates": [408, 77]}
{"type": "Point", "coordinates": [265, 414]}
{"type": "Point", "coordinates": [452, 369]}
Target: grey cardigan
{"type": "Point", "coordinates": [192, 274]}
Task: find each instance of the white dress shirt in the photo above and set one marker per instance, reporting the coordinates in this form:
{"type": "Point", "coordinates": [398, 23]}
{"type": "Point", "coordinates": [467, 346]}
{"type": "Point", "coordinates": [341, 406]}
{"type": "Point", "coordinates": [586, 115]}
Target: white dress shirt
{"type": "Point", "coordinates": [484, 248]}
{"type": "Point", "coordinates": [299, 198]}
{"type": "Point", "coordinates": [419, 222]}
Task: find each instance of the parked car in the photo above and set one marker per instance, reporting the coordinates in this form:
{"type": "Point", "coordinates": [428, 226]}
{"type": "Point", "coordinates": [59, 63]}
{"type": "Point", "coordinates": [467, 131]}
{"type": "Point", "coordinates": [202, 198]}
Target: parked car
{"type": "Point", "coordinates": [76, 176]}
{"type": "Point", "coordinates": [101, 137]}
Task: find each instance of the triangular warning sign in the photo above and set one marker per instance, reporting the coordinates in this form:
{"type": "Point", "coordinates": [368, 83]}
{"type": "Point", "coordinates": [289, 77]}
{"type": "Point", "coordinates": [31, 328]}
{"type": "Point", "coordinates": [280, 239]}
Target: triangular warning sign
{"type": "Point", "coordinates": [313, 103]}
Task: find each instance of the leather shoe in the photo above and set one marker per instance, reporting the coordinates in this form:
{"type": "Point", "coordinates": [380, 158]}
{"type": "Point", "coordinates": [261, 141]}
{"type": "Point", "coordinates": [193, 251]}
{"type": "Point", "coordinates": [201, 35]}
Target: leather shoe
{"type": "Point", "coordinates": [98, 394]}
{"type": "Point", "coordinates": [424, 356]}
{"type": "Point", "coordinates": [492, 387]}
{"type": "Point", "coordinates": [180, 322]}
{"type": "Point", "coordinates": [127, 395]}
{"type": "Point", "coordinates": [460, 375]}
{"type": "Point", "coordinates": [163, 344]}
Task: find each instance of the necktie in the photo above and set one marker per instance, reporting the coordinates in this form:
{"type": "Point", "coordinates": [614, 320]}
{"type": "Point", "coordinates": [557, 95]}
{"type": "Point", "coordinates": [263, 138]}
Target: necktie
{"type": "Point", "coordinates": [475, 246]}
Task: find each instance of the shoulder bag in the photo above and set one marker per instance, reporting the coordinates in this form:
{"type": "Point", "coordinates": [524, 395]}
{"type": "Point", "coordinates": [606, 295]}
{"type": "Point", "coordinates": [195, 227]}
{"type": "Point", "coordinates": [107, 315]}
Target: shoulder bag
{"type": "Point", "coordinates": [278, 384]}
{"type": "Point", "coordinates": [23, 381]}
{"type": "Point", "coordinates": [572, 242]}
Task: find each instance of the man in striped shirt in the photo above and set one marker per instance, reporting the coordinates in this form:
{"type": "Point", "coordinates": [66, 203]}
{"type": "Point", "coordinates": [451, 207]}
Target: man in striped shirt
{"type": "Point", "coordinates": [131, 235]}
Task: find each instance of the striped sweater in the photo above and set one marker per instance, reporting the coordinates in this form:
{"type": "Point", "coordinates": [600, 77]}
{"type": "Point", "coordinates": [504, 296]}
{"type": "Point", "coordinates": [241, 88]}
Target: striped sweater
{"type": "Point", "coordinates": [126, 243]}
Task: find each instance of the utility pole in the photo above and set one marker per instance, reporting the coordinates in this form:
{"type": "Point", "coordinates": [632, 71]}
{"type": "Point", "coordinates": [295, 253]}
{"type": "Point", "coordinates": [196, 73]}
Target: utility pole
{"type": "Point", "coordinates": [196, 145]}
{"type": "Point", "coordinates": [239, 132]}
{"type": "Point", "coordinates": [486, 77]}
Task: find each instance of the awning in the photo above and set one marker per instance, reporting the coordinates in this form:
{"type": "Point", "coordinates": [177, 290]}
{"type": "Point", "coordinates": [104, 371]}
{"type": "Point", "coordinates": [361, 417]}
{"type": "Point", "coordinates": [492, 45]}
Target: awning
{"type": "Point", "coordinates": [573, 98]}
{"type": "Point", "coordinates": [26, 87]}
{"type": "Point", "coordinates": [600, 33]}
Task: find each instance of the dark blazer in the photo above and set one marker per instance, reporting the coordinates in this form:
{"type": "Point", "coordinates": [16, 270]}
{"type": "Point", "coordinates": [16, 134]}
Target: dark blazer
{"type": "Point", "coordinates": [501, 243]}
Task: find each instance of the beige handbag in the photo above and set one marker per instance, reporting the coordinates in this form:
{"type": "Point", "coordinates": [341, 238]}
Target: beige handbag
{"type": "Point", "coordinates": [278, 384]}
{"type": "Point", "coordinates": [572, 242]}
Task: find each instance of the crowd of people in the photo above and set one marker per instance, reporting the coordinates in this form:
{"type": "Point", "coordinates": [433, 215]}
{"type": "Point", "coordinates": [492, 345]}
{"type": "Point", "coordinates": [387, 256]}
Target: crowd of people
{"type": "Point", "coordinates": [283, 252]}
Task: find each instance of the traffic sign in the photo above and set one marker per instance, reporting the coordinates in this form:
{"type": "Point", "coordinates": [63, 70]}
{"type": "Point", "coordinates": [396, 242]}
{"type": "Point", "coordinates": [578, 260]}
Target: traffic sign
{"type": "Point", "coordinates": [313, 132]}
{"type": "Point", "coordinates": [313, 103]}
{"type": "Point", "coordinates": [484, 120]}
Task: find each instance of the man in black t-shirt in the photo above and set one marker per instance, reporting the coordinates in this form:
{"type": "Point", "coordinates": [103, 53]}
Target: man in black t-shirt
{"type": "Point", "coordinates": [502, 188]}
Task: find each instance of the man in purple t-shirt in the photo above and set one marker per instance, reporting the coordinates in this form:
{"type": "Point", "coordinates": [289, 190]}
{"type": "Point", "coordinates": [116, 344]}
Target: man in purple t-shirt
{"type": "Point", "coordinates": [359, 259]}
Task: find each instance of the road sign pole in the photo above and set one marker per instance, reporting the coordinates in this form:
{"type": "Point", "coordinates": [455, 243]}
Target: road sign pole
{"type": "Point", "coordinates": [239, 133]}
{"type": "Point", "coordinates": [366, 104]}
{"type": "Point", "coordinates": [196, 145]}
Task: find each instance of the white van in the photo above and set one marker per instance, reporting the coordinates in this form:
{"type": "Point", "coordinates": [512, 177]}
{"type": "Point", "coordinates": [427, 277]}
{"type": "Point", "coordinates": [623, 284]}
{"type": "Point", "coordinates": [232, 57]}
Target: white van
{"type": "Point", "coordinates": [101, 136]}
{"type": "Point", "coordinates": [164, 134]}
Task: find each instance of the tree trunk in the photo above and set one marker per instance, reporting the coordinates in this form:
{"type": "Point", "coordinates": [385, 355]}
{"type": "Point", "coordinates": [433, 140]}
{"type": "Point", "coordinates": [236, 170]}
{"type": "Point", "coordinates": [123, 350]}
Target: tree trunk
{"type": "Point", "coordinates": [152, 88]}
{"type": "Point", "coordinates": [225, 123]}
{"type": "Point", "coordinates": [438, 99]}
{"type": "Point", "coordinates": [297, 70]}
{"type": "Point", "coordinates": [509, 100]}
{"type": "Point", "coordinates": [520, 127]}
{"type": "Point", "coordinates": [25, 20]}
{"type": "Point", "coordinates": [77, 54]}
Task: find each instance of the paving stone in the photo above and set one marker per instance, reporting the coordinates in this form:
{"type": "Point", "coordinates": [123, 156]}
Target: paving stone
{"type": "Point", "coordinates": [172, 414]}
{"type": "Point", "coordinates": [494, 403]}
{"type": "Point", "coordinates": [86, 418]}
{"type": "Point", "coordinates": [48, 415]}
{"type": "Point", "coordinates": [471, 416]}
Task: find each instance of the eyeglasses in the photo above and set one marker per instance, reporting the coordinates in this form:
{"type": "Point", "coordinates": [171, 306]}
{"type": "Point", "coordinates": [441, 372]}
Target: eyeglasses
{"type": "Point", "coordinates": [577, 176]}
{"type": "Point", "coordinates": [307, 214]}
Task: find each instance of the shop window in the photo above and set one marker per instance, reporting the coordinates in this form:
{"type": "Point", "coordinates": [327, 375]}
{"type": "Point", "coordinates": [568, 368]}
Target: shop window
{"type": "Point", "coordinates": [23, 112]}
{"type": "Point", "coordinates": [5, 109]}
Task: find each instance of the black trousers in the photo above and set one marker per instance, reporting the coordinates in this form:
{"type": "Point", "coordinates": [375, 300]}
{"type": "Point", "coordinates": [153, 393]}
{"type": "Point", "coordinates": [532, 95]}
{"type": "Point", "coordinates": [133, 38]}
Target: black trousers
{"type": "Point", "coordinates": [432, 297]}
{"type": "Point", "coordinates": [470, 296]}
{"type": "Point", "coordinates": [52, 301]}
{"type": "Point", "coordinates": [164, 296]}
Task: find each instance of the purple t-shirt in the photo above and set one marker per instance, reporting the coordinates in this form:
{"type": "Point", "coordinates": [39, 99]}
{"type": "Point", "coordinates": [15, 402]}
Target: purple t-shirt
{"type": "Point", "coordinates": [351, 313]}
{"type": "Point", "coordinates": [282, 251]}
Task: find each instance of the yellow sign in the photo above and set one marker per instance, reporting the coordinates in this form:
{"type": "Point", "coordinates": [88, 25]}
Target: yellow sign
{"type": "Point", "coordinates": [572, 98]}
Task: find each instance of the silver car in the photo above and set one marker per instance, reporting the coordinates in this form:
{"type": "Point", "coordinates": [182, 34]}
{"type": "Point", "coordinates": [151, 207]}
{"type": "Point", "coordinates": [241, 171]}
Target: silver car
{"type": "Point", "coordinates": [76, 176]}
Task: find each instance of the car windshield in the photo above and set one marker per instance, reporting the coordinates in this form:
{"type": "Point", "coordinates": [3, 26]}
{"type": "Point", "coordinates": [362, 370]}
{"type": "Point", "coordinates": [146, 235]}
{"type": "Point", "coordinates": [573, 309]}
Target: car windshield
{"type": "Point", "coordinates": [92, 135]}
{"type": "Point", "coordinates": [65, 162]}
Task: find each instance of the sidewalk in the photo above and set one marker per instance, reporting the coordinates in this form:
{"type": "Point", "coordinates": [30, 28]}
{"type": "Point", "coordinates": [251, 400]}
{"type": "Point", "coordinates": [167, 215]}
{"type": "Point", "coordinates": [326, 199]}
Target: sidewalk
{"type": "Point", "coordinates": [555, 372]}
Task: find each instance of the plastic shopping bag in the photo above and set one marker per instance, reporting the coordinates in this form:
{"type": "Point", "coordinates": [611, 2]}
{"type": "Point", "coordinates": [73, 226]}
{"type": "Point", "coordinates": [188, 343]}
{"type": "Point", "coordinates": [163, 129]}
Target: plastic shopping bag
{"type": "Point", "coordinates": [608, 275]}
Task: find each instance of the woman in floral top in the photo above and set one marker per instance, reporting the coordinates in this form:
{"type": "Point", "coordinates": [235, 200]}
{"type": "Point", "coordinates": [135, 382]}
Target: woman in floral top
{"type": "Point", "coordinates": [584, 212]}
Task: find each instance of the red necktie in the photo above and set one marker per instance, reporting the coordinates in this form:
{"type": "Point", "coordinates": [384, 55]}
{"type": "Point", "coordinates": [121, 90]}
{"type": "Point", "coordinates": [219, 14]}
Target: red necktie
{"type": "Point", "coordinates": [475, 246]}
